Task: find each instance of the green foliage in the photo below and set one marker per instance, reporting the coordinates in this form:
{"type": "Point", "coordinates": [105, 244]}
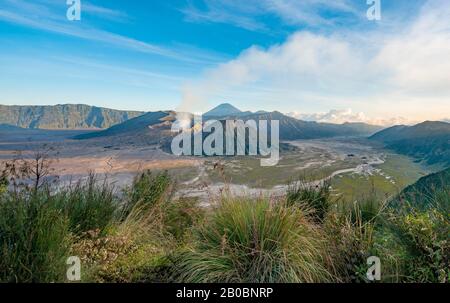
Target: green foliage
{"type": "Point", "coordinates": [426, 236]}
{"type": "Point", "coordinates": [88, 205]}
{"type": "Point", "coordinates": [145, 235]}
{"type": "Point", "coordinates": [350, 240]}
{"type": "Point", "coordinates": [136, 248]}
{"type": "Point", "coordinates": [366, 210]}
{"type": "Point", "coordinates": [315, 198]}
{"type": "Point", "coordinates": [428, 141]}
{"type": "Point", "coordinates": [147, 190]}
{"type": "Point", "coordinates": [181, 215]}
{"type": "Point", "coordinates": [4, 183]}
{"type": "Point", "coordinates": [34, 239]}
{"type": "Point", "coordinates": [246, 240]}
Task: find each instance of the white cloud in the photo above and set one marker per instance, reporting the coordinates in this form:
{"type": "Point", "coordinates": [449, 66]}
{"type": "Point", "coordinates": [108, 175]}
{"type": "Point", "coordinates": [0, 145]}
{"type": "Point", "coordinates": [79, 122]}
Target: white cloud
{"type": "Point", "coordinates": [247, 14]}
{"type": "Point", "coordinates": [347, 115]}
{"type": "Point", "coordinates": [309, 11]}
{"type": "Point", "coordinates": [417, 59]}
{"type": "Point", "coordinates": [104, 12]}
{"type": "Point", "coordinates": [383, 74]}
{"type": "Point", "coordinates": [219, 11]}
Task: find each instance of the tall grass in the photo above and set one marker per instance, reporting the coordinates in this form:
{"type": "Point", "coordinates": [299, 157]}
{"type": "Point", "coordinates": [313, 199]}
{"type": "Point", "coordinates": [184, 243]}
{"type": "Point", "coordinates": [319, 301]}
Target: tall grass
{"type": "Point", "coordinates": [314, 197]}
{"type": "Point", "coordinates": [147, 190]}
{"type": "Point", "coordinates": [34, 239]}
{"type": "Point", "coordinates": [145, 235]}
{"type": "Point", "coordinates": [246, 240]}
{"type": "Point", "coordinates": [138, 243]}
{"type": "Point", "coordinates": [89, 204]}
{"type": "Point", "coordinates": [424, 233]}
{"type": "Point", "coordinates": [350, 238]}
{"type": "Point", "coordinates": [135, 250]}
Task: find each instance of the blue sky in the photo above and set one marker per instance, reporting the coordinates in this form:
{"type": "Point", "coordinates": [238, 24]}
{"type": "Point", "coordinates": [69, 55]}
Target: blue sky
{"type": "Point", "coordinates": [316, 59]}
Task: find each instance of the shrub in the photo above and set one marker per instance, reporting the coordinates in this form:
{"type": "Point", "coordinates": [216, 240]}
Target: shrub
{"type": "Point", "coordinates": [181, 215]}
{"type": "Point", "coordinates": [366, 210]}
{"type": "Point", "coordinates": [34, 239]}
{"type": "Point", "coordinates": [134, 251]}
{"type": "Point", "coordinates": [4, 182]}
{"type": "Point", "coordinates": [425, 233]}
{"type": "Point", "coordinates": [88, 205]}
{"type": "Point", "coordinates": [314, 197]}
{"type": "Point", "coordinates": [247, 240]}
{"type": "Point", "coordinates": [147, 189]}
{"type": "Point", "coordinates": [350, 242]}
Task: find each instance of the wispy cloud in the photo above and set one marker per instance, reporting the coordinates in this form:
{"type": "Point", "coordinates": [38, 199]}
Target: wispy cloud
{"type": "Point", "coordinates": [248, 14]}
{"type": "Point", "coordinates": [386, 74]}
{"type": "Point", "coordinates": [312, 12]}
{"type": "Point", "coordinates": [42, 17]}
{"type": "Point", "coordinates": [237, 13]}
{"type": "Point", "coordinates": [106, 13]}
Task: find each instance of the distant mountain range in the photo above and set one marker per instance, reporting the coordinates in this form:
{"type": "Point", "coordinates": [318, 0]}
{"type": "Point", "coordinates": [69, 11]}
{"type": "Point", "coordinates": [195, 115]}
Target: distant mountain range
{"type": "Point", "coordinates": [428, 142]}
{"type": "Point", "coordinates": [68, 116]}
{"type": "Point", "coordinates": [156, 126]}
{"type": "Point", "coordinates": [292, 128]}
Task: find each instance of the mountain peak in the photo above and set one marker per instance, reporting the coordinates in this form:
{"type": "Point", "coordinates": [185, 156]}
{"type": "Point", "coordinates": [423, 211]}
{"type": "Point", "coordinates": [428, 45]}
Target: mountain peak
{"type": "Point", "coordinates": [224, 109]}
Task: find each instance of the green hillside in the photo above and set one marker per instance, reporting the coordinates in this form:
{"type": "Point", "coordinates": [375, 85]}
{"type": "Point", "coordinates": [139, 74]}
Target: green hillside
{"type": "Point", "coordinates": [428, 142]}
{"type": "Point", "coordinates": [429, 188]}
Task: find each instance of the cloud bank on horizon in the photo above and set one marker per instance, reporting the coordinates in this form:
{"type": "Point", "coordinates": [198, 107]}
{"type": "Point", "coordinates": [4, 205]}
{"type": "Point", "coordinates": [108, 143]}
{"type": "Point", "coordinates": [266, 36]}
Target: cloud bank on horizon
{"type": "Point", "coordinates": [322, 59]}
{"type": "Point", "coordinates": [385, 73]}
{"type": "Point", "coordinates": [348, 115]}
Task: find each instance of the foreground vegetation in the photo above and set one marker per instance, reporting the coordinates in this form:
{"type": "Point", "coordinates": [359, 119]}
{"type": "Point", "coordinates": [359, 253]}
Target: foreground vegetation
{"type": "Point", "coordinates": [145, 234]}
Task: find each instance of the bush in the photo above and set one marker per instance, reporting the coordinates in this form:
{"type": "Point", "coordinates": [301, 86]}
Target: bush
{"type": "Point", "coordinates": [181, 215]}
{"type": "Point", "coordinates": [425, 233]}
{"type": "Point", "coordinates": [134, 251]}
{"type": "Point", "coordinates": [247, 240]}
{"type": "Point", "coordinates": [4, 183]}
{"type": "Point", "coordinates": [147, 189]}
{"type": "Point", "coordinates": [315, 198]}
{"type": "Point", "coordinates": [34, 239]}
{"type": "Point", "coordinates": [88, 205]}
{"type": "Point", "coordinates": [145, 235]}
{"type": "Point", "coordinates": [350, 242]}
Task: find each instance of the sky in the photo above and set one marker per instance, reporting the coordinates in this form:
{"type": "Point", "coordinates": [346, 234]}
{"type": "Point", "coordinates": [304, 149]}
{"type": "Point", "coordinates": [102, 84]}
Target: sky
{"type": "Point", "coordinates": [314, 59]}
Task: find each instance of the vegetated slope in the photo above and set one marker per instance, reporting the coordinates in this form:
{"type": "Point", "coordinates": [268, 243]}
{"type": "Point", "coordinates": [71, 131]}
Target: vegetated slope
{"type": "Point", "coordinates": [428, 142]}
{"type": "Point", "coordinates": [67, 116]}
{"type": "Point", "coordinates": [427, 189]}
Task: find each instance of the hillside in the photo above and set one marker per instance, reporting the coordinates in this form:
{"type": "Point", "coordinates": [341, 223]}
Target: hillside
{"type": "Point", "coordinates": [222, 110]}
{"type": "Point", "coordinates": [429, 188]}
{"type": "Point", "coordinates": [290, 128]}
{"type": "Point", "coordinates": [68, 116]}
{"type": "Point", "coordinates": [146, 129]}
{"type": "Point", "coordinates": [428, 142]}
{"type": "Point", "coordinates": [293, 129]}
